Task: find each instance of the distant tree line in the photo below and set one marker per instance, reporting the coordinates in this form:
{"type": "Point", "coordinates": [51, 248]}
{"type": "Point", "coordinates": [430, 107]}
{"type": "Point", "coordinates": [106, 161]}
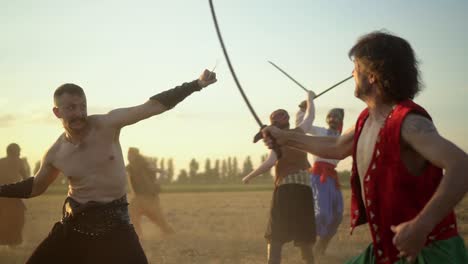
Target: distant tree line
{"type": "Point", "coordinates": [208, 171]}
{"type": "Point", "coordinates": [228, 170]}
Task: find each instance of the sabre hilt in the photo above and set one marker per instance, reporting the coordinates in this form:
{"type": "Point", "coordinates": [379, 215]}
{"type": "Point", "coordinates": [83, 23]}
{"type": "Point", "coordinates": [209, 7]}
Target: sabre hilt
{"type": "Point", "coordinates": [276, 148]}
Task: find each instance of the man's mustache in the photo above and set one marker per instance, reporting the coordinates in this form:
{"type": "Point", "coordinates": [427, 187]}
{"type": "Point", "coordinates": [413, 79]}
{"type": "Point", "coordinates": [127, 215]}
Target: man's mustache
{"type": "Point", "coordinates": [81, 119]}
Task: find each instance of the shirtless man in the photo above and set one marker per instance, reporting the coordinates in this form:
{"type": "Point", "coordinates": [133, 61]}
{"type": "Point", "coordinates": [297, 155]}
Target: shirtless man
{"type": "Point", "coordinates": [12, 168]}
{"type": "Point", "coordinates": [398, 183]}
{"type": "Point", "coordinates": [292, 209]}
{"type": "Point", "coordinates": [95, 227]}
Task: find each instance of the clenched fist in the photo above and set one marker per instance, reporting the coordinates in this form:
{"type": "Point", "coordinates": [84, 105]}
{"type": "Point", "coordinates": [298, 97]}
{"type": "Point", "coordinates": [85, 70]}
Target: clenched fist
{"type": "Point", "coordinates": [206, 78]}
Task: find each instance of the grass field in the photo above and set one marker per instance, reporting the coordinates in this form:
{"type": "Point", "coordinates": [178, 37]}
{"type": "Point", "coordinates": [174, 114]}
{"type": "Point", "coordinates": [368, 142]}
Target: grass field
{"type": "Point", "coordinates": [212, 227]}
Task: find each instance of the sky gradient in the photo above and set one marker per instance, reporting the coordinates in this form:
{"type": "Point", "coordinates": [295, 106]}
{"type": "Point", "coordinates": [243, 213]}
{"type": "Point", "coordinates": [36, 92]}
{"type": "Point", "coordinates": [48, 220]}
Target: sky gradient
{"type": "Point", "coordinates": [123, 52]}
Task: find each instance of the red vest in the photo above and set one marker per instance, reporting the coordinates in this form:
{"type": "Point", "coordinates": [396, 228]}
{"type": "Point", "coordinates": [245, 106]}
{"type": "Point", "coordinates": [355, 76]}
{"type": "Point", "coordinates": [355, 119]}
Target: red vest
{"type": "Point", "coordinates": [392, 194]}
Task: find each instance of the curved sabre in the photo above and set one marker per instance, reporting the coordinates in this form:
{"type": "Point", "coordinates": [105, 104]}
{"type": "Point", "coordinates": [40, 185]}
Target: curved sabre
{"type": "Point", "coordinates": [231, 68]}
{"type": "Point", "coordinates": [258, 135]}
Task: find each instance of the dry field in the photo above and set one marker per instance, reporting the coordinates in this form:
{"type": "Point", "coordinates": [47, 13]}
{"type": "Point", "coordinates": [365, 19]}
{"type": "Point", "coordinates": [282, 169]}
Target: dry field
{"type": "Point", "coordinates": [211, 228]}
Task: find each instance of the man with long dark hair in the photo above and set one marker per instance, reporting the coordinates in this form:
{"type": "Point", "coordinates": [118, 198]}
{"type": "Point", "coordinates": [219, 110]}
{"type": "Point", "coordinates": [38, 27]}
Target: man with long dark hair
{"type": "Point", "coordinates": [398, 184]}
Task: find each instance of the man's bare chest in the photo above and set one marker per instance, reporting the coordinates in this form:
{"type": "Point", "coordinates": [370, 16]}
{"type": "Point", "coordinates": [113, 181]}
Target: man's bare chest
{"type": "Point", "coordinates": [92, 154]}
{"type": "Point", "coordinates": [366, 145]}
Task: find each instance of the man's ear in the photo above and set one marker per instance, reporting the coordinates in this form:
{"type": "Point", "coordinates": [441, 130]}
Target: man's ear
{"type": "Point", "coordinates": [56, 112]}
{"type": "Point", "coordinates": [372, 79]}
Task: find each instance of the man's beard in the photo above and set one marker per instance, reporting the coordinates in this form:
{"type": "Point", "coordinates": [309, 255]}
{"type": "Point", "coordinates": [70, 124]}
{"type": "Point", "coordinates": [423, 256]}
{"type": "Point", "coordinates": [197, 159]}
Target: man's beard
{"type": "Point", "coordinates": [362, 91]}
{"type": "Point", "coordinates": [336, 127]}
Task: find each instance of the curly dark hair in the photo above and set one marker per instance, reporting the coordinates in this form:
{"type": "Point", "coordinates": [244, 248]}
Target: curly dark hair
{"type": "Point", "coordinates": [392, 60]}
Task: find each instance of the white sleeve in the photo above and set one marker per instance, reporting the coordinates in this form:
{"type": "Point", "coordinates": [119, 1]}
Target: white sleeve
{"type": "Point", "coordinates": [318, 131]}
{"type": "Point", "coordinates": [309, 117]}
{"type": "Point", "coordinates": [299, 117]}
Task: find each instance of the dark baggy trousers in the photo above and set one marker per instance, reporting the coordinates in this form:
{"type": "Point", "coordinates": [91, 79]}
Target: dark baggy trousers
{"type": "Point", "coordinates": [91, 233]}
{"type": "Point", "coordinates": [60, 246]}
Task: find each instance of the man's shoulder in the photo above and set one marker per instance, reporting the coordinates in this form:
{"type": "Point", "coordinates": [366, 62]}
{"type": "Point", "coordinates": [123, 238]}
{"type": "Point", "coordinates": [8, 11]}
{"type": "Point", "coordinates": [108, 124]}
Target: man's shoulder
{"type": "Point", "coordinates": [60, 140]}
{"type": "Point", "coordinates": [408, 107]}
{"type": "Point", "coordinates": [94, 120]}
{"type": "Point", "coordinates": [55, 147]}
{"type": "Point", "coordinates": [2, 162]}
{"type": "Point", "coordinates": [99, 121]}
{"type": "Point", "coordinates": [416, 122]}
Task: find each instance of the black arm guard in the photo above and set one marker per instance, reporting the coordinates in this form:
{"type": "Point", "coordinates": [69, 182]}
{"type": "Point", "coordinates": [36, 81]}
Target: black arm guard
{"type": "Point", "coordinates": [172, 97]}
{"type": "Point", "coordinates": [22, 189]}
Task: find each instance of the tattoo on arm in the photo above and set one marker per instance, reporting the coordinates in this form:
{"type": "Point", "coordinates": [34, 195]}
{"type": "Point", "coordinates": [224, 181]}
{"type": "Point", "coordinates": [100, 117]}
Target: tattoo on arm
{"type": "Point", "coordinates": [417, 124]}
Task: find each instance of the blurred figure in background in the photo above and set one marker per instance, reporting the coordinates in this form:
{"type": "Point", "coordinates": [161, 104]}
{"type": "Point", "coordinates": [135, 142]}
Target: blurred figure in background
{"type": "Point", "coordinates": [12, 169]}
{"type": "Point", "coordinates": [146, 189]}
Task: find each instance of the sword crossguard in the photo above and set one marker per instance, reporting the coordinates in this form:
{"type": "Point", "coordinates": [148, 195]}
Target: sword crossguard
{"type": "Point", "coordinates": [259, 135]}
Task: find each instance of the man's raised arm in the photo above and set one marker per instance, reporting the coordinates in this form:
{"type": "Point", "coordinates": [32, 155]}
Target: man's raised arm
{"type": "Point", "coordinates": [309, 115]}
{"type": "Point", "coordinates": [159, 103]}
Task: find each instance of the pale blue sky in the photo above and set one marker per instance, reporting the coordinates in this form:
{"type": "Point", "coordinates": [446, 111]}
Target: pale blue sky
{"type": "Point", "coordinates": [122, 52]}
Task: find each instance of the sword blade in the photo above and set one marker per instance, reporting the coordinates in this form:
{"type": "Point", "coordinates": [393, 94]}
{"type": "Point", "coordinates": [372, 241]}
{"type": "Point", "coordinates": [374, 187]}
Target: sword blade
{"type": "Point", "coordinates": [289, 76]}
{"type": "Point", "coordinates": [335, 85]}
{"type": "Point", "coordinates": [218, 31]}
{"type": "Point", "coordinates": [302, 86]}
